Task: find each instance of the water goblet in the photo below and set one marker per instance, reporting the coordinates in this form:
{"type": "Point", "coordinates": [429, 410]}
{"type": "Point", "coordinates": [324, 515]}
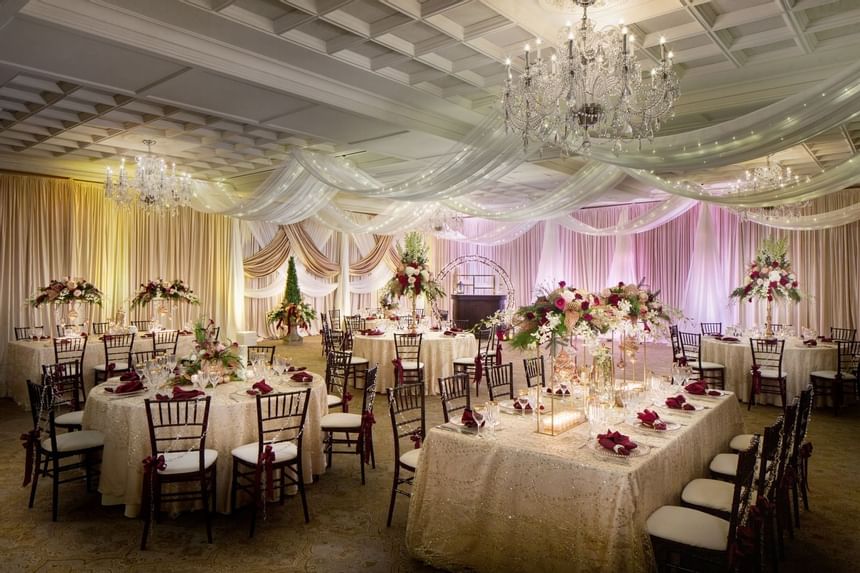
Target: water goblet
{"type": "Point", "coordinates": [479, 415]}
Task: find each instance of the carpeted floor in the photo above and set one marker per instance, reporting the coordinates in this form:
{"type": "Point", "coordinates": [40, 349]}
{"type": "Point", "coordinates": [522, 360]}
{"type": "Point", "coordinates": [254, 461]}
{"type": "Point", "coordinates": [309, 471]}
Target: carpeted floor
{"type": "Point", "coordinates": [347, 530]}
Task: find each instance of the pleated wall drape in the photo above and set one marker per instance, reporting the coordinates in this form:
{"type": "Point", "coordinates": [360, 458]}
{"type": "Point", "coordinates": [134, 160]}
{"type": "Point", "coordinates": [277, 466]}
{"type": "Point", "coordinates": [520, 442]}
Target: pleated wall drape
{"type": "Point", "coordinates": [56, 227]}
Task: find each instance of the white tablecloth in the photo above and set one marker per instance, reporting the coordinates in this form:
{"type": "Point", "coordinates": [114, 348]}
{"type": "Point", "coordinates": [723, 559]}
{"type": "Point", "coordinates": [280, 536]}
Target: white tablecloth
{"type": "Point", "coordinates": [437, 353]}
{"type": "Point", "coordinates": [530, 502]}
{"type": "Point", "coordinates": [25, 358]}
{"type": "Point", "coordinates": [232, 422]}
{"type": "Point", "coordinates": [797, 360]}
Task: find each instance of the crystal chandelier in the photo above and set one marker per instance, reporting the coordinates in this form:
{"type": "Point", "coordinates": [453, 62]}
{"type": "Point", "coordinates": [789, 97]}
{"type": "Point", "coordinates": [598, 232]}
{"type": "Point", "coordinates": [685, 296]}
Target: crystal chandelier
{"type": "Point", "coordinates": [589, 86]}
{"type": "Point", "coordinates": [156, 186]}
{"type": "Point", "coordinates": [771, 177]}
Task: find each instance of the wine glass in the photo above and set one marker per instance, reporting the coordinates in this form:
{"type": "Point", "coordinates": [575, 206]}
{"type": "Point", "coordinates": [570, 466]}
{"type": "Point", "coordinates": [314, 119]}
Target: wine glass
{"type": "Point", "coordinates": [479, 415]}
{"type": "Point", "coordinates": [677, 374]}
{"type": "Point", "coordinates": [523, 399]}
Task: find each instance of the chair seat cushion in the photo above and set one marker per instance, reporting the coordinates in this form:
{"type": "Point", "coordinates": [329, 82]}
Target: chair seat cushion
{"type": "Point", "coordinates": [333, 400]}
{"type": "Point", "coordinates": [117, 366]}
{"type": "Point", "coordinates": [465, 360]}
{"type": "Point", "coordinates": [284, 452]}
{"type": "Point", "coordinates": [411, 458]}
{"type": "Point", "coordinates": [340, 421]}
{"type": "Point", "coordinates": [772, 373]}
{"type": "Point", "coordinates": [705, 365]}
{"type": "Point", "coordinates": [412, 365]}
{"type": "Point", "coordinates": [724, 464]}
{"type": "Point", "coordinates": [741, 442]}
{"type": "Point", "coordinates": [355, 360]}
{"type": "Point", "coordinates": [831, 375]}
{"type": "Point", "coordinates": [690, 527]}
{"type": "Point", "coordinates": [711, 493]}
{"type": "Point", "coordinates": [74, 441]}
{"type": "Point", "coordinates": [187, 462]}
{"type": "Point", "coordinates": [75, 418]}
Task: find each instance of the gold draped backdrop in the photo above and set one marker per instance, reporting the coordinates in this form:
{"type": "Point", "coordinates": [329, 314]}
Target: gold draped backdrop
{"type": "Point", "coordinates": [57, 227]}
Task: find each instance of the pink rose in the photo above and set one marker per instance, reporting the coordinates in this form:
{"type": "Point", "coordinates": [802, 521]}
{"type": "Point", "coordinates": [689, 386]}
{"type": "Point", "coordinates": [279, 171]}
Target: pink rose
{"type": "Point", "coordinates": [560, 303]}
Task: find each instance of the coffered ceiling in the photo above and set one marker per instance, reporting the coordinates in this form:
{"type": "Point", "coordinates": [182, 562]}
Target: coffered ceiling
{"type": "Point", "coordinates": [227, 86]}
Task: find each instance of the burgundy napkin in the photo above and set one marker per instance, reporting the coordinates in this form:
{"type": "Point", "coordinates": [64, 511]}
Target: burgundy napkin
{"type": "Point", "coordinates": [124, 388]}
{"type": "Point", "coordinates": [729, 339]}
{"type": "Point", "coordinates": [296, 369]}
{"type": "Point", "coordinates": [302, 377]}
{"type": "Point", "coordinates": [718, 336]}
{"type": "Point", "coordinates": [450, 333]}
{"type": "Point", "coordinates": [617, 442]}
{"type": "Point", "coordinates": [435, 328]}
{"type": "Point", "coordinates": [810, 343]}
{"type": "Point", "coordinates": [260, 387]}
{"type": "Point", "coordinates": [129, 376]}
{"type": "Point", "coordinates": [468, 419]}
{"type": "Point", "coordinates": [181, 394]}
{"type": "Point", "coordinates": [455, 329]}
{"type": "Point", "coordinates": [518, 406]}
{"type": "Point", "coordinates": [651, 419]}
{"type": "Point", "coordinates": [372, 332]}
{"type": "Point", "coordinates": [679, 403]}
{"type": "Point", "coordinates": [825, 339]}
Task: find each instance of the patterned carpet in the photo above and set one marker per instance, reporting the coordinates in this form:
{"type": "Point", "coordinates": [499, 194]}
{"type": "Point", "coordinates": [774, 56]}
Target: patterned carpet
{"type": "Point", "coordinates": [347, 530]}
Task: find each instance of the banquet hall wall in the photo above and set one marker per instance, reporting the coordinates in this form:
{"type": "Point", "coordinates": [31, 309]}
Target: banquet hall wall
{"type": "Point", "coordinates": [56, 227]}
{"type": "Point", "coordinates": [826, 261]}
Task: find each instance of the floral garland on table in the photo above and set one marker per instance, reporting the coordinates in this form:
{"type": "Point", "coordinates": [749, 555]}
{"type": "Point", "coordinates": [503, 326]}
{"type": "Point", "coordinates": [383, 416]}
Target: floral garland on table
{"type": "Point", "coordinates": [413, 275]}
{"type": "Point", "coordinates": [564, 312]}
{"type": "Point", "coordinates": [66, 290]}
{"type": "Point", "coordinates": [160, 289]}
{"type": "Point", "coordinates": [213, 354]}
{"type": "Point", "coordinates": [770, 275]}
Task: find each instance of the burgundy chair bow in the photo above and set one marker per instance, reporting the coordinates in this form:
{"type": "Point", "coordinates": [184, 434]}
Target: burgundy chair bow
{"type": "Point", "coordinates": [30, 441]}
{"type": "Point", "coordinates": [682, 361]}
{"type": "Point", "coordinates": [806, 450]}
{"type": "Point", "coordinates": [265, 463]}
{"type": "Point", "coordinates": [367, 422]}
{"type": "Point", "coordinates": [398, 370]}
{"type": "Point", "coordinates": [109, 369]}
{"type": "Point", "coordinates": [756, 378]}
{"type": "Point", "coordinates": [416, 438]}
{"type": "Point", "coordinates": [347, 398]}
{"type": "Point", "coordinates": [498, 352]}
{"type": "Point", "coordinates": [742, 548]}
{"type": "Point", "coordinates": [151, 467]}
{"type": "Point", "coordinates": [479, 369]}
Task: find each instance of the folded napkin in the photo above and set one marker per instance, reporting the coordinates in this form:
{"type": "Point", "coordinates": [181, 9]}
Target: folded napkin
{"type": "Point", "coordinates": [718, 336]}
{"type": "Point", "coordinates": [129, 376]}
{"type": "Point", "coordinates": [518, 406]}
{"type": "Point", "coordinates": [810, 343]}
{"type": "Point", "coordinates": [126, 387]}
{"type": "Point", "coordinates": [679, 403]}
{"type": "Point", "coordinates": [825, 339]}
{"type": "Point", "coordinates": [700, 388]}
{"type": "Point", "coordinates": [435, 328]}
{"type": "Point", "coordinates": [260, 388]}
{"type": "Point", "coordinates": [181, 394]}
{"type": "Point", "coordinates": [729, 339]}
{"type": "Point", "coordinates": [468, 419]}
{"type": "Point", "coordinates": [302, 377]}
{"type": "Point", "coordinates": [296, 369]}
{"type": "Point", "coordinates": [450, 333]}
{"type": "Point", "coordinates": [651, 419]}
{"type": "Point", "coordinates": [455, 329]}
{"type": "Point", "coordinates": [372, 332]}
{"type": "Point", "coordinates": [617, 442]}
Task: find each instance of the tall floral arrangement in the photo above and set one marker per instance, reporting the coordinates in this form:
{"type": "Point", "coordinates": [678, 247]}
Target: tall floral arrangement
{"type": "Point", "coordinates": [292, 310]}
{"type": "Point", "coordinates": [413, 276]}
{"type": "Point", "coordinates": [565, 311]}
{"type": "Point", "coordinates": [66, 290]}
{"type": "Point", "coordinates": [161, 289]}
{"type": "Point", "coordinates": [770, 275]}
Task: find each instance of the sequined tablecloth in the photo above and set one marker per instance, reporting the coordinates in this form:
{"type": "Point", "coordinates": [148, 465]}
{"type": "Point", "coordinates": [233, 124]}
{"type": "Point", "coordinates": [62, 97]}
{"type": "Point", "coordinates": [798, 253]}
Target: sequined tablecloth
{"type": "Point", "coordinates": [797, 360]}
{"type": "Point", "coordinates": [24, 360]}
{"type": "Point", "coordinates": [437, 353]}
{"type": "Point", "coordinates": [529, 502]}
{"type": "Point", "coordinates": [232, 423]}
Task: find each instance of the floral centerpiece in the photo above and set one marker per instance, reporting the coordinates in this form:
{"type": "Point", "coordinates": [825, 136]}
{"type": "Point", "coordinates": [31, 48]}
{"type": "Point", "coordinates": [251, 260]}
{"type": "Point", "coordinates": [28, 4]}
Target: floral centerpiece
{"type": "Point", "coordinates": [66, 290]}
{"type": "Point", "coordinates": [211, 356]}
{"type": "Point", "coordinates": [413, 277]}
{"type": "Point", "coordinates": [160, 289]}
{"type": "Point", "coordinates": [292, 312]}
{"type": "Point", "coordinates": [770, 277]}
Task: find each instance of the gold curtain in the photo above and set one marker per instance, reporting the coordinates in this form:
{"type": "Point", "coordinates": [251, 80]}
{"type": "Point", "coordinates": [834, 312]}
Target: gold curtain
{"type": "Point", "coordinates": [57, 227]}
{"type": "Point", "coordinates": [270, 258]}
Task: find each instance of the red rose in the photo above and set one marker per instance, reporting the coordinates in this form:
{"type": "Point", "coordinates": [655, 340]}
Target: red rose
{"type": "Point", "coordinates": [597, 301]}
{"type": "Point", "coordinates": [775, 264]}
{"type": "Point", "coordinates": [614, 299]}
{"type": "Point", "coordinates": [783, 281]}
{"type": "Point", "coordinates": [562, 284]}
{"type": "Point", "coordinates": [577, 296]}
{"type": "Point", "coordinates": [587, 317]}
{"type": "Point", "coordinates": [769, 297]}
{"type": "Point", "coordinates": [584, 305]}
{"type": "Point", "coordinates": [794, 284]}
{"type": "Point", "coordinates": [773, 284]}
{"type": "Point", "coordinates": [530, 316]}
{"type": "Point", "coordinates": [620, 284]}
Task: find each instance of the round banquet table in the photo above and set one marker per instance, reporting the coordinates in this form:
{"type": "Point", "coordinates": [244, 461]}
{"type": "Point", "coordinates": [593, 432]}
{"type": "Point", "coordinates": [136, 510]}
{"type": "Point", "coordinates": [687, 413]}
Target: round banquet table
{"type": "Point", "coordinates": [232, 423]}
{"type": "Point", "coordinates": [437, 353]}
{"type": "Point", "coordinates": [797, 360]}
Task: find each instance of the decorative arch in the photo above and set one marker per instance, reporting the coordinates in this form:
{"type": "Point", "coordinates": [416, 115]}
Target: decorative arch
{"type": "Point", "coordinates": [501, 272]}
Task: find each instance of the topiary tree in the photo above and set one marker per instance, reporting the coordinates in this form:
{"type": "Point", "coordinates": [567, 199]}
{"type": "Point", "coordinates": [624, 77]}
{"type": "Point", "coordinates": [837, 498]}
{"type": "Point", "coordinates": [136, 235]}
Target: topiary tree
{"type": "Point", "coordinates": [293, 295]}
